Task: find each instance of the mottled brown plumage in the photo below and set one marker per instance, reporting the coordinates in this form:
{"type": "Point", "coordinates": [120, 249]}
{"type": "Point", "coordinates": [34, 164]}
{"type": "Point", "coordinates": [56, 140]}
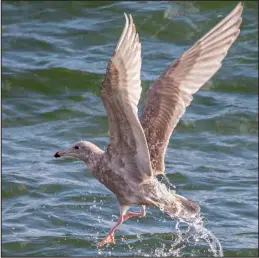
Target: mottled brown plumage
{"type": "Point", "coordinates": [135, 154]}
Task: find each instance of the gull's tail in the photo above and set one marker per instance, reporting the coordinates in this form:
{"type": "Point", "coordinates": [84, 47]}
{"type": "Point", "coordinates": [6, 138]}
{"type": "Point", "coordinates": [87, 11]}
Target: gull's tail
{"type": "Point", "coordinates": [175, 205]}
{"type": "Point", "coordinates": [182, 208]}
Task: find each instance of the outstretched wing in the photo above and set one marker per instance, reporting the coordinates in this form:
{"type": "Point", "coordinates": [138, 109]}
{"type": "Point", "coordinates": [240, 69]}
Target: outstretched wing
{"type": "Point", "coordinates": [172, 92]}
{"type": "Point", "coordinates": [120, 94]}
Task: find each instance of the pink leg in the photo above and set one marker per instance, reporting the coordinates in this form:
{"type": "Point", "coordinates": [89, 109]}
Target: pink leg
{"type": "Point", "coordinates": [110, 236]}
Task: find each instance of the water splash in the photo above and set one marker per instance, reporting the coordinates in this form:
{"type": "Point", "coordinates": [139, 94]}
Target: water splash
{"type": "Point", "coordinates": [191, 239]}
{"type": "Point", "coordinates": [195, 234]}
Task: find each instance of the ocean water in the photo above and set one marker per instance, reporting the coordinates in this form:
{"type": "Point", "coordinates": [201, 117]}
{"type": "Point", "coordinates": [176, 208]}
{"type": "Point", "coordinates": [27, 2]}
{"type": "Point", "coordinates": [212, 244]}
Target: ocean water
{"type": "Point", "coordinates": [54, 56]}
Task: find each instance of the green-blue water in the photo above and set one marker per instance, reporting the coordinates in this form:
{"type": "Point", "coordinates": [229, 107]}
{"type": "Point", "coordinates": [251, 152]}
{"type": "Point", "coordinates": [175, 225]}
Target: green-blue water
{"type": "Point", "coordinates": [54, 56]}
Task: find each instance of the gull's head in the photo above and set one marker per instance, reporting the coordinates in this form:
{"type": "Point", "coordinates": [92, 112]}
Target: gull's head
{"type": "Point", "coordinates": [81, 150]}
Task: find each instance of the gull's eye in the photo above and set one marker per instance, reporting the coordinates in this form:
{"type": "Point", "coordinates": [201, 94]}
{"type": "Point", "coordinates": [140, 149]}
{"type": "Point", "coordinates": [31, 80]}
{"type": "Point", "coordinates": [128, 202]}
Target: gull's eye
{"type": "Point", "coordinates": [76, 147]}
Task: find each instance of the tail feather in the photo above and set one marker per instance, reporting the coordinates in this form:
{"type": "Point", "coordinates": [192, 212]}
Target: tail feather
{"type": "Point", "coordinates": [180, 207]}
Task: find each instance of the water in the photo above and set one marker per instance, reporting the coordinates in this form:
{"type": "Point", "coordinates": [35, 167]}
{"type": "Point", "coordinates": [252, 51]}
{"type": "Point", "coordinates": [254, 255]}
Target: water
{"type": "Point", "coordinates": [54, 56]}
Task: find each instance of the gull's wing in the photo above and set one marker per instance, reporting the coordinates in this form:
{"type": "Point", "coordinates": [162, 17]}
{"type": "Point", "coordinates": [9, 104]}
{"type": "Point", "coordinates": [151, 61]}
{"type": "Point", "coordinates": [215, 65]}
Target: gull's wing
{"type": "Point", "coordinates": [172, 92]}
{"type": "Point", "coordinates": [120, 94]}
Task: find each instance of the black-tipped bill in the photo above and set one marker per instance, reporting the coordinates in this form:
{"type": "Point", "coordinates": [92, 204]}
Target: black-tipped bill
{"type": "Point", "coordinates": [57, 155]}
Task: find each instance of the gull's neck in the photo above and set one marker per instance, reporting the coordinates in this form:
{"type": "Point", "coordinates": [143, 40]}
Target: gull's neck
{"type": "Point", "coordinates": [93, 159]}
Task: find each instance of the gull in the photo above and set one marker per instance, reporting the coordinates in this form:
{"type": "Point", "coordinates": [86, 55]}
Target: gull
{"type": "Point", "coordinates": [133, 162]}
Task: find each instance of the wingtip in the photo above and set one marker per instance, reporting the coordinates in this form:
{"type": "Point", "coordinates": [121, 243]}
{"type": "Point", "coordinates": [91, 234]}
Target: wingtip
{"type": "Point", "coordinates": [123, 32]}
{"type": "Point", "coordinates": [126, 16]}
{"type": "Point", "coordinates": [240, 5]}
{"type": "Point", "coordinates": [238, 9]}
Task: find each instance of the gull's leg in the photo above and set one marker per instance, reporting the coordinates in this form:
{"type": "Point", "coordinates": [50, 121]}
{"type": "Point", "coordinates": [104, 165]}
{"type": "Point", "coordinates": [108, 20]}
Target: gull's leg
{"type": "Point", "coordinates": [110, 236]}
{"type": "Point", "coordinates": [124, 216]}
